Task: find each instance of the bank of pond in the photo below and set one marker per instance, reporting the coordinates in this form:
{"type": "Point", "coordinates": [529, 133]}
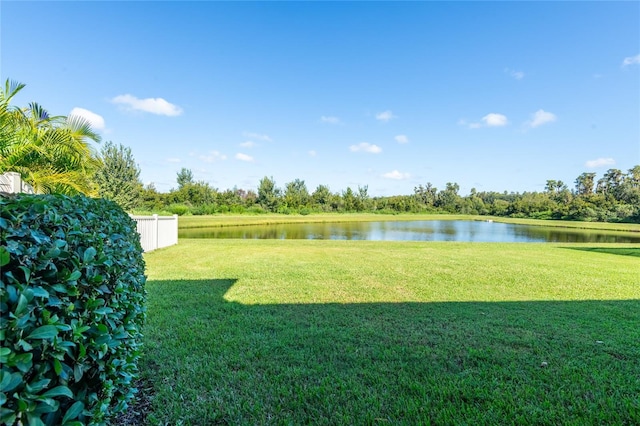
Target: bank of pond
{"type": "Point", "coordinates": [414, 230]}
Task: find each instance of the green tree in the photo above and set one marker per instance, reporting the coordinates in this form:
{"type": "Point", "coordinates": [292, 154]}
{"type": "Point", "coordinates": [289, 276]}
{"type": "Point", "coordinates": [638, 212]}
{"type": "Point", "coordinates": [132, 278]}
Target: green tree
{"type": "Point", "coordinates": [296, 194]}
{"type": "Point", "coordinates": [349, 200]}
{"type": "Point", "coordinates": [268, 194]}
{"type": "Point", "coordinates": [585, 183]}
{"type": "Point", "coordinates": [610, 184]}
{"type": "Point", "coordinates": [245, 198]}
{"type": "Point", "coordinates": [322, 197]}
{"type": "Point", "coordinates": [194, 194]}
{"type": "Point", "coordinates": [555, 187]}
{"type": "Point", "coordinates": [426, 195]}
{"type": "Point", "coordinates": [499, 207]}
{"type": "Point", "coordinates": [473, 204]}
{"type": "Point", "coordinates": [448, 198]}
{"type": "Point", "coordinates": [630, 190]}
{"type": "Point", "coordinates": [363, 201]}
{"type": "Point", "coordinates": [53, 154]}
{"type": "Point", "coordinates": [185, 177]}
{"type": "Point", "coordinates": [151, 198]}
{"type": "Point", "coordinates": [118, 177]}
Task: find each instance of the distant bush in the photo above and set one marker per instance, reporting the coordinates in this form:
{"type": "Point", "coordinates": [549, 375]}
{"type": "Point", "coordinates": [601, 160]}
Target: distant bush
{"type": "Point", "coordinates": [543, 215]}
{"type": "Point", "coordinates": [237, 209]}
{"type": "Point", "coordinates": [179, 209]}
{"type": "Point", "coordinates": [256, 210]}
{"type": "Point", "coordinates": [73, 302]}
{"type": "Point", "coordinates": [204, 209]}
{"type": "Point", "coordinates": [285, 210]}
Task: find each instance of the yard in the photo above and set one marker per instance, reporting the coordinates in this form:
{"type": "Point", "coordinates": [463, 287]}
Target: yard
{"type": "Point", "coordinates": [342, 332]}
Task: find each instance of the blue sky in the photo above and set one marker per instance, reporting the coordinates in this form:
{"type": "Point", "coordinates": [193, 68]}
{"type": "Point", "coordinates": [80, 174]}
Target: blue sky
{"type": "Point", "coordinates": [492, 95]}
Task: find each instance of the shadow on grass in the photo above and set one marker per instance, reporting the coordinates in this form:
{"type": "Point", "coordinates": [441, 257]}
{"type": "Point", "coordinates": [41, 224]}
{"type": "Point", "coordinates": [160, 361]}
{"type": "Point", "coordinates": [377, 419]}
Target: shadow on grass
{"type": "Point", "coordinates": [622, 251]}
{"type": "Point", "coordinates": [212, 361]}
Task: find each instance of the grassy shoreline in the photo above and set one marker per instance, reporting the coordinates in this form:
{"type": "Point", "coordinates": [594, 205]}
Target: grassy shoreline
{"type": "Point", "coordinates": [344, 332]}
{"type": "Point", "coordinates": [192, 222]}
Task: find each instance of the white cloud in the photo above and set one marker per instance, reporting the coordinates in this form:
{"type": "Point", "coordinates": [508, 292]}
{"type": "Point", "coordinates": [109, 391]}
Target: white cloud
{"type": "Point", "coordinates": [312, 153]}
{"type": "Point", "coordinates": [495, 120]}
{"type": "Point", "coordinates": [212, 157]}
{"type": "Point", "coordinates": [157, 106]}
{"type": "Point", "coordinates": [600, 162]}
{"type": "Point", "coordinates": [490, 120]}
{"type": "Point", "coordinates": [402, 139]}
{"type": "Point", "coordinates": [257, 136]}
{"type": "Point", "coordinates": [396, 175]}
{"type": "Point", "coordinates": [174, 160]}
{"type": "Point", "coordinates": [631, 60]}
{"type": "Point", "coordinates": [330, 119]}
{"type": "Point", "coordinates": [248, 144]}
{"type": "Point", "coordinates": [244, 157]}
{"type": "Point", "coordinates": [365, 147]}
{"type": "Point", "coordinates": [518, 75]}
{"type": "Point", "coordinates": [97, 122]}
{"type": "Point", "coordinates": [385, 116]}
{"type": "Point", "coordinates": [541, 117]}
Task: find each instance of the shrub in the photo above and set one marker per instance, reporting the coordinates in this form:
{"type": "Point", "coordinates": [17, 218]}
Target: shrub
{"type": "Point", "coordinates": [179, 209]}
{"type": "Point", "coordinates": [543, 215]}
{"type": "Point", "coordinates": [72, 298]}
{"type": "Point", "coordinates": [205, 209]}
{"type": "Point", "coordinates": [238, 209]}
{"type": "Point", "coordinates": [257, 209]}
{"type": "Point", "coordinates": [284, 210]}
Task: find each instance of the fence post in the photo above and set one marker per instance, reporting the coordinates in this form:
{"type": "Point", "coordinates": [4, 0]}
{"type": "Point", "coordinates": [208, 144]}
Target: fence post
{"type": "Point", "coordinates": [11, 182]}
{"type": "Point", "coordinates": [175, 221]}
{"type": "Point", "coordinates": [157, 231]}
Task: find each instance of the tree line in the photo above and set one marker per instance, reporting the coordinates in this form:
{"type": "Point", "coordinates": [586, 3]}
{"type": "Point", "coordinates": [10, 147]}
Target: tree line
{"type": "Point", "coordinates": [615, 197]}
{"type": "Point", "coordinates": [55, 155]}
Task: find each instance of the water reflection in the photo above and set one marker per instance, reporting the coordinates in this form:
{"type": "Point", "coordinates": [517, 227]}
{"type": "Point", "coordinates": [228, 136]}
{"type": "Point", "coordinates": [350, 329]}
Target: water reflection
{"type": "Point", "coordinates": [433, 230]}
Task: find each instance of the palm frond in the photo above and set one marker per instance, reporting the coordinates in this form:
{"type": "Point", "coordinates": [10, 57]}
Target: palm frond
{"type": "Point", "coordinates": [11, 88]}
{"type": "Point", "coordinates": [52, 153]}
{"type": "Point", "coordinates": [81, 128]}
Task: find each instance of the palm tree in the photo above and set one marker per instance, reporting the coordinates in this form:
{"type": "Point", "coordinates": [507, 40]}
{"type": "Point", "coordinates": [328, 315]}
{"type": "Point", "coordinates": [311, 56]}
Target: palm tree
{"type": "Point", "coordinates": [53, 154]}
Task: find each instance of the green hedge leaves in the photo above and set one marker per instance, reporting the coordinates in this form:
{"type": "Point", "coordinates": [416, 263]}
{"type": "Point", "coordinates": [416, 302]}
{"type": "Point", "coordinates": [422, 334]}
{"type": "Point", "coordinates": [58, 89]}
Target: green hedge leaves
{"type": "Point", "coordinates": [73, 303]}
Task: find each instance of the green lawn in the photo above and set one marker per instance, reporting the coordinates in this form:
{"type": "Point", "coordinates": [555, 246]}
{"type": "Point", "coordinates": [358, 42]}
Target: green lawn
{"type": "Point", "coordinates": [360, 332]}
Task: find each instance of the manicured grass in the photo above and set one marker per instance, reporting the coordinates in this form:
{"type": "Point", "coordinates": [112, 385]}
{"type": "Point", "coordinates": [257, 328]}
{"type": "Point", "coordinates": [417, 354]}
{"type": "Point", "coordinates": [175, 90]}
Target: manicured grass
{"type": "Point", "coordinates": [361, 332]}
{"type": "Point", "coordinates": [190, 222]}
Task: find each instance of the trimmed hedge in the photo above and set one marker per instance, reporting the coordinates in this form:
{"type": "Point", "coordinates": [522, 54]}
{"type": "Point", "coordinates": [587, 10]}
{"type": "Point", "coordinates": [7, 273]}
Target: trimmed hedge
{"type": "Point", "coordinates": [73, 303]}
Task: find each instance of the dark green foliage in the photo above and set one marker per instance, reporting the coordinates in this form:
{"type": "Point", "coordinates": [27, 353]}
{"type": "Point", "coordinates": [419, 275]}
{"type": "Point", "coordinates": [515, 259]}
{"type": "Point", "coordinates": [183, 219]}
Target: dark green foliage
{"type": "Point", "coordinates": [615, 198]}
{"type": "Point", "coordinates": [73, 302]}
{"type": "Point", "coordinates": [269, 196]}
{"type": "Point", "coordinates": [296, 194]}
{"type": "Point", "coordinates": [179, 209]}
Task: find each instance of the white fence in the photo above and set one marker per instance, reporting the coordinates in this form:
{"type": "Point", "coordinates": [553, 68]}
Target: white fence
{"type": "Point", "coordinates": [157, 231]}
{"type": "Point", "coordinates": [11, 182]}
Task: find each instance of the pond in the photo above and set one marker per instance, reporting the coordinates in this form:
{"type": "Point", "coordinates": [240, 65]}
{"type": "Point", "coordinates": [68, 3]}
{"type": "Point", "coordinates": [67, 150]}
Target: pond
{"type": "Point", "coordinates": [430, 230]}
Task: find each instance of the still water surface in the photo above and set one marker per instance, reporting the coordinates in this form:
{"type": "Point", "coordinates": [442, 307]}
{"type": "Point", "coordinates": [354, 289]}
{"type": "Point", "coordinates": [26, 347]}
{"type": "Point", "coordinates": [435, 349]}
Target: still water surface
{"type": "Point", "coordinates": [431, 230]}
